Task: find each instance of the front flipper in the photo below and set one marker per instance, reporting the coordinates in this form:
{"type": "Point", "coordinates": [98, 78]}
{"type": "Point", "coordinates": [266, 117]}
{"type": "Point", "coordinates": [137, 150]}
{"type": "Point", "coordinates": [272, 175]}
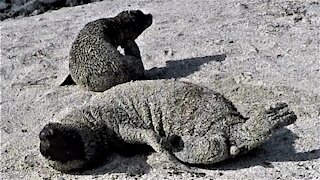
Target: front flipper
{"type": "Point", "coordinates": [134, 135]}
{"type": "Point", "coordinates": [159, 144]}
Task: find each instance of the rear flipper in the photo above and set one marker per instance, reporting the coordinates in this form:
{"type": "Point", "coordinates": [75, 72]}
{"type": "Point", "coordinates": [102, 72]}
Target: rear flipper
{"type": "Point", "coordinates": [200, 150]}
{"type": "Point", "coordinates": [258, 129]}
{"type": "Point", "coordinates": [68, 81]}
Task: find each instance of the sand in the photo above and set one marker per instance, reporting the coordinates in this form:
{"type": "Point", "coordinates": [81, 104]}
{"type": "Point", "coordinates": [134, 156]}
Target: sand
{"type": "Point", "coordinates": [255, 53]}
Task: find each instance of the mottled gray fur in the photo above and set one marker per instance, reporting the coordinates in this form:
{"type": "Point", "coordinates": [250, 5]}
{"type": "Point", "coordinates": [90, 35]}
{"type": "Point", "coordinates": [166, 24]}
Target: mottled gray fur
{"type": "Point", "coordinates": [95, 62]}
{"type": "Point", "coordinates": [193, 124]}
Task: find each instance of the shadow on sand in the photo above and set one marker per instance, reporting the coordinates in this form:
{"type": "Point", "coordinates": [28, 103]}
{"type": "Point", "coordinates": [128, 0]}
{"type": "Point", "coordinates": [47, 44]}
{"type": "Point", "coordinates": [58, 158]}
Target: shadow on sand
{"type": "Point", "coordinates": [181, 68]}
{"type": "Point", "coordinates": [130, 159]}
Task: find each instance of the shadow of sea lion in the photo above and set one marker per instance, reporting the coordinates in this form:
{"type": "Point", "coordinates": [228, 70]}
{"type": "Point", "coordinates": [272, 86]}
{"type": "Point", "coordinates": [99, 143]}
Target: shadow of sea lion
{"type": "Point", "coordinates": [181, 68]}
{"type": "Point", "coordinates": [130, 159]}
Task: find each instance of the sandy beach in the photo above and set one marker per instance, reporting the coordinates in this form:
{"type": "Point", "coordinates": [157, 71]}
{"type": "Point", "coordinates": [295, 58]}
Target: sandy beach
{"type": "Point", "coordinates": [253, 52]}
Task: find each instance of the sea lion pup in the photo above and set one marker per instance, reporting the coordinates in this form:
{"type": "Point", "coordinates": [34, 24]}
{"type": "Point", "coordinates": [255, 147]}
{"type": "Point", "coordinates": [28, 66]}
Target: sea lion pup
{"type": "Point", "coordinates": [183, 121]}
{"type": "Point", "coordinates": [95, 62]}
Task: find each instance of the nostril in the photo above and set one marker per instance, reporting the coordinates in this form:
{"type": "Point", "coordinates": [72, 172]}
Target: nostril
{"type": "Point", "coordinates": [45, 134]}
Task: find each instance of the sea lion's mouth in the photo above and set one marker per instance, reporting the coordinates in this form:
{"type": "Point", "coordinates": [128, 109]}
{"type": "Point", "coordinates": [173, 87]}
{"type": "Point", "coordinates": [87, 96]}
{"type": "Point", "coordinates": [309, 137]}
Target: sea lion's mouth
{"type": "Point", "coordinates": [44, 146]}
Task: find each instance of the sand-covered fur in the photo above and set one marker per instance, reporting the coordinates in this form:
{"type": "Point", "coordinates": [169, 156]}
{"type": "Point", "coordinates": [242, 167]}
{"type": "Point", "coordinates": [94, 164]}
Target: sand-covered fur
{"type": "Point", "coordinates": [194, 124]}
{"type": "Point", "coordinates": [95, 62]}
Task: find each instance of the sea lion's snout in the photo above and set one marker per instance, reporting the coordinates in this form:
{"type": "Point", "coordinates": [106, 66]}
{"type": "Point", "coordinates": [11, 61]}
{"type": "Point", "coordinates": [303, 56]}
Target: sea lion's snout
{"type": "Point", "coordinates": [59, 143]}
{"type": "Point", "coordinates": [149, 19]}
{"type": "Point", "coordinates": [45, 135]}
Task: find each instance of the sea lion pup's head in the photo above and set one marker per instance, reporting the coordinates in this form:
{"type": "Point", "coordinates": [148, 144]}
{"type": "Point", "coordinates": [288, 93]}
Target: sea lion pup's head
{"type": "Point", "coordinates": [132, 23]}
{"type": "Point", "coordinates": [68, 147]}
